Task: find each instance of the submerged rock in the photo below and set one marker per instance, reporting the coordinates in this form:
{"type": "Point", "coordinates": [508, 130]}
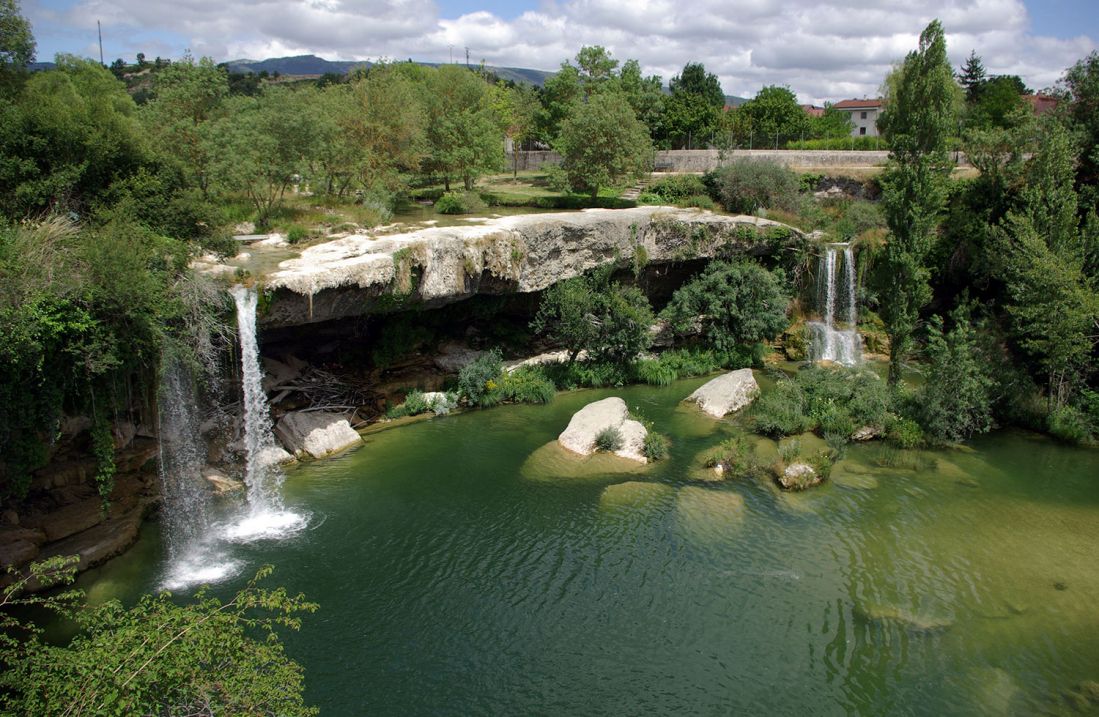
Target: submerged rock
{"type": "Point", "coordinates": [798, 476]}
{"type": "Point", "coordinates": [903, 618]}
{"type": "Point", "coordinates": [726, 393]}
{"type": "Point", "coordinates": [220, 482]}
{"type": "Point", "coordinates": [632, 494]}
{"type": "Point", "coordinates": [316, 433]}
{"type": "Point", "coordinates": [591, 420]}
{"type": "Point", "coordinates": [708, 513]}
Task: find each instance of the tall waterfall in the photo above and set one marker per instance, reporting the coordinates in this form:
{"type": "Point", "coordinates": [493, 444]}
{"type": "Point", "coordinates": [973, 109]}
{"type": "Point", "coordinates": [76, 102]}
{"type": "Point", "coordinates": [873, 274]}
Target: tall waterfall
{"type": "Point", "coordinates": [262, 474]}
{"type": "Point", "coordinates": [186, 512]}
{"type": "Point", "coordinates": [836, 338]}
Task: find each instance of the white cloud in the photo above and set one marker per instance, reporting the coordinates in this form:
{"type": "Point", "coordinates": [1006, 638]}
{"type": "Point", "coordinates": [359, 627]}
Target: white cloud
{"type": "Point", "coordinates": [823, 49]}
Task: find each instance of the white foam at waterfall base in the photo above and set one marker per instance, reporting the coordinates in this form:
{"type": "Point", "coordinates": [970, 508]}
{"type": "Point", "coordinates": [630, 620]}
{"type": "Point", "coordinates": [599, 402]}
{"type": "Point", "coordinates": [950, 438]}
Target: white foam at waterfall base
{"type": "Point", "coordinates": [265, 525]}
{"type": "Point", "coordinates": [204, 563]}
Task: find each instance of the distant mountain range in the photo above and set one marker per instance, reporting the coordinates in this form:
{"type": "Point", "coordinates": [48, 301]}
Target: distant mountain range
{"type": "Point", "coordinates": [305, 65]}
{"type": "Point", "coordinates": [313, 65]}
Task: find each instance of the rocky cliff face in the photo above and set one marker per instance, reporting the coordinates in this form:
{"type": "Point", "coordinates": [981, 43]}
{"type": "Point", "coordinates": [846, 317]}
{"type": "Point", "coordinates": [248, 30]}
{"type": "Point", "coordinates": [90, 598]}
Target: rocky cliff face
{"type": "Point", "coordinates": [365, 274]}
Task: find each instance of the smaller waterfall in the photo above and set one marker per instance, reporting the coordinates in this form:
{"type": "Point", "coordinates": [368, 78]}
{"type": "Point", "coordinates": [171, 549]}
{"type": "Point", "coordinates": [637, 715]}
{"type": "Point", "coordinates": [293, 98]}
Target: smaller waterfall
{"type": "Point", "coordinates": [186, 513]}
{"type": "Point", "coordinates": [832, 339]}
{"type": "Point", "coordinates": [193, 556]}
{"type": "Point", "coordinates": [262, 474]}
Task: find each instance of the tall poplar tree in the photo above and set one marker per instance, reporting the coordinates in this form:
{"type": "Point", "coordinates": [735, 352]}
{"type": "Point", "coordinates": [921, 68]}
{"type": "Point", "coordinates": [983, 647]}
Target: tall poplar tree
{"type": "Point", "coordinates": [919, 115]}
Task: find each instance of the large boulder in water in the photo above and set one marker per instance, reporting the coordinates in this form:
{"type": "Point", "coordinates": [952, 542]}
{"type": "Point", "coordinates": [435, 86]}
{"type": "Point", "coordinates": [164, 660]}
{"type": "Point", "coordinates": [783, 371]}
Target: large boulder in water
{"type": "Point", "coordinates": [594, 418]}
{"type": "Point", "coordinates": [726, 393]}
{"type": "Point", "coordinates": [317, 433]}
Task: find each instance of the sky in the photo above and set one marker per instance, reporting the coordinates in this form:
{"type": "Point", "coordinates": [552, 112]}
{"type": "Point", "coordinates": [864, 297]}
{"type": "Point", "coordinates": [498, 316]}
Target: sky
{"type": "Point", "coordinates": [824, 50]}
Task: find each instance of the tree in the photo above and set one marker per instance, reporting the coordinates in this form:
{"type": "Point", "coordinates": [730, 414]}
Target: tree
{"type": "Point", "coordinates": [693, 111]}
{"type": "Point", "coordinates": [201, 657]}
{"type": "Point", "coordinates": [645, 95]}
{"type": "Point", "coordinates": [463, 135]}
{"type": "Point", "coordinates": [186, 97]}
{"type": "Point", "coordinates": [956, 400]}
{"type": "Point", "coordinates": [602, 143]}
{"type": "Point", "coordinates": [383, 131]}
{"type": "Point", "coordinates": [1080, 90]}
{"type": "Point", "coordinates": [972, 77]}
{"type": "Point", "coordinates": [733, 304]}
{"type": "Point", "coordinates": [596, 67]}
{"type": "Point", "coordinates": [831, 124]}
{"type": "Point", "coordinates": [517, 110]}
{"type": "Point", "coordinates": [591, 313]}
{"type": "Point", "coordinates": [999, 104]}
{"type": "Point", "coordinates": [775, 115]}
{"type": "Point", "coordinates": [16, 40]}
{"type": "Point", "coordinates": [917, 121]}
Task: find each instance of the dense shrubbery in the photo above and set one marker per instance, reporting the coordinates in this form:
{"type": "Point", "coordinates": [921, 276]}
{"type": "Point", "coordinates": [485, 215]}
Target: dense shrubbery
{"type": "Point", "coordinates": [835, 402]}
{"type": "Point", "coordinates": [840, 143]}
{"type": "Point", "coordinates": [745, 186]}
{"type": "Point", "coordinates": [731, 305]}
{"type": "Point", "coordinates": [459, 203]}
{"type": "Point", "coordinates": [678, 188]}
{"type": "Point", "coordinates": [608, 440]}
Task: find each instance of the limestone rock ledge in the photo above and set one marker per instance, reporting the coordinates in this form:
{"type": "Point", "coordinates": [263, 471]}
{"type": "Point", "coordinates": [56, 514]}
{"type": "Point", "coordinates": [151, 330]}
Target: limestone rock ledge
{"type": "Point", "coordinates": [587, 423]}
{"type": "Point", "coordinates": [362, 274]}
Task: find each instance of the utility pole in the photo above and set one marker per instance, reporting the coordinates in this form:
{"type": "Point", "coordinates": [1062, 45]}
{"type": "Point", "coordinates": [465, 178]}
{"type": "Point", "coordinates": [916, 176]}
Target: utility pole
{"type": "Point", "coordinates": [99, 28]}
{"type": "Point", "coordinates": [452, 54]}
{"type": "Point", "coordinates": [467, 58]}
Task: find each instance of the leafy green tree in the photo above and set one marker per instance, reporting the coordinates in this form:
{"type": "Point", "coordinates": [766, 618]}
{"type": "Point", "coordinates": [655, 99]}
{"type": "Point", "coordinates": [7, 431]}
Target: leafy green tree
{"type": "Point", "coordinates": [187, 96]}
{"type": "Point", "coordinates": [260, 145]}
{"type": "Point", "coordinates": [1041, 253]}
{"type": "Point", "coordinates": [591, 313]}
{"type": "Point", "coordinates": [999, 104]}
{"type": "Point", "coordinates": [517, 110]}
{"type": "Point", "coordinates": [733, 304]}
{"type": "Point", "coordinates": [603, 143]}
{"type": "Point", "coordinates": [201, 657]}
{"type": "Point", "coordinates": [16, 40]}
{"type": "Point", "coordinates": [775, 115]}
{"type": "Point", "coordinates": [645, 95]}
{"type": "Point", "coordinates": [65, 137]}
{"type": "Point", "coordinates": [693, 112]}
{"type": "Point", "coordinates": [463, 134]}
{"type": "Point", "coordinates": [560, 93]}
{"type": "Point", "coordinates": [831, 124]}
{"type": "Point", "coordinates": [384, 129]}
{"type": "Point", "coordinates": [1079, 88]}
{"type": "Point", "coordinates": [956, 400]}
{"type": "Point", "coordinates": [596, 66]}
{"type": "Point", "coordinates": [917, 122]}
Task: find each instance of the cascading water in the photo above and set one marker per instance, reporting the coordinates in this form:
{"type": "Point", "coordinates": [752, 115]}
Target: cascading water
{"type": "Point", "coordinates": [186, 514]}
{"type": "Point", "coordinates": [829, 340]}
{"type": "Point", "coordinates": [193, 555]}
{"type": "Point", "coordinates": [262, 474]}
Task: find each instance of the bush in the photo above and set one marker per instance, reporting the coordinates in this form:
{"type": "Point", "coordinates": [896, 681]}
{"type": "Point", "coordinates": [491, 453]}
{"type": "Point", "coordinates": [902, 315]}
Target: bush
{"type": "Point", "coordinates": [745, 186]}
{"type": "Point", "coordinates": [904, 433]}
{"type": "Point", "coordinates": [1071, 425]}
{"type": "Point", "coordinates": [527, 384]}
{"type": "Point", "coordinates": [678, 188]}
{"type": "Point", "coordinates": [701, 201]}
{"type": "Point", "coordinates": [738, 302]}
{"type": "Point", "coordinates": [477, 379]}
{"type": "Point", "coordinates": [414, 403]}
{"type": "Point", "coordinates": [459, 203]}
{"type": "Point", "coordinates": [296, 233]}
{"type": "Point", "coordinates": [609, 439]}
{"type": "Point", "coordinates": [781, 411]}
{"type": "Point", "coordinates": [655, 372]}
{"type": "Point", "coordinates": [864, 143]}
{"type": "Point", "coordinates": [649, 199]}
{"type": "Point", "coordinates": [655, 447]}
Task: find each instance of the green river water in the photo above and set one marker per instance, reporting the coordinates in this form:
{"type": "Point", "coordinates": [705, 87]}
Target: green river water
{"type": "Point", "coordinates": [465, 568]}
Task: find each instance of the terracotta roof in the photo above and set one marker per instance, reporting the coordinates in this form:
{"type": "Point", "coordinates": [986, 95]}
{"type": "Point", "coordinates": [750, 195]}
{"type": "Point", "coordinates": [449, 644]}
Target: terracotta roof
{"type": "Point", "coordinates": [857, 104]}
{"type": "Point", "coordinates": [813, 110]}
{"type": "Point", "coordinates": [1041, 103]}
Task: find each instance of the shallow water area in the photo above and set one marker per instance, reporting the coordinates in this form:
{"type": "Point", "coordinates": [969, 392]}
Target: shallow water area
{"type": "Point", "coordinates": [451, 581]}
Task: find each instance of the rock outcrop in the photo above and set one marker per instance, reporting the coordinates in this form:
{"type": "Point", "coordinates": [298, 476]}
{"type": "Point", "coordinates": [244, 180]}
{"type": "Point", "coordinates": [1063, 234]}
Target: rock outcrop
{"type": "Point", "coordinates": [591, 420]}
{"type": "Point", "coordinates": [363, 274]}
{"type": "Point", "coordinates": [727, 393]}
{"type": "Point", "coordinates": [798, 476]}
{"type": "Point", "coordinates": [316, 433]}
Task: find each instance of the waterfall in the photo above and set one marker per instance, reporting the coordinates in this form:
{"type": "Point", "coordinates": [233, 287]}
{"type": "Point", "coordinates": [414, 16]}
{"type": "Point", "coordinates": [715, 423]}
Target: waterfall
{"type": "Point", "coordinates": [186, 510]}
{"type": "Point", "coordinates": [186, 513]}
{"type": "Point", "coordinates": [829, 340]}
{"type": "Point", "coordinates": [262, 474]}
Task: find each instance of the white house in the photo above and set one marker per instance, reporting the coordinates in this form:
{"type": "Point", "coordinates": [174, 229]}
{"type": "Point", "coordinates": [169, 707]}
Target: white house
{"type": "Point", "coordinates": [864, 116]}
